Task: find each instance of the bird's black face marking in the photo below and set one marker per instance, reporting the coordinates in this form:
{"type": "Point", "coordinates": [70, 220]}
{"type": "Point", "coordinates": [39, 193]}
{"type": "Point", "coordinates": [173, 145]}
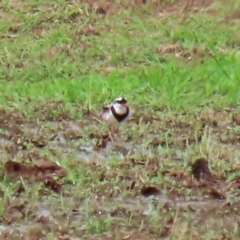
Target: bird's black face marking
{"type": "Point", "coordinates": [121, 100]}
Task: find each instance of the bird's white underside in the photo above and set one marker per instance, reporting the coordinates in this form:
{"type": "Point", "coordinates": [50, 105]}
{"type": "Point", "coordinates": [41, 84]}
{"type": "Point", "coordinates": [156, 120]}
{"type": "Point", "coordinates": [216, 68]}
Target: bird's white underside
{"type": "Point", "coordinates": [109, 117]}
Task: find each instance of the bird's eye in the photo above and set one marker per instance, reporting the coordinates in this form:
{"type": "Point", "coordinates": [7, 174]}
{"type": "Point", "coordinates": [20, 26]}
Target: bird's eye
{"type": "Point", "coordinates": [120, 100]}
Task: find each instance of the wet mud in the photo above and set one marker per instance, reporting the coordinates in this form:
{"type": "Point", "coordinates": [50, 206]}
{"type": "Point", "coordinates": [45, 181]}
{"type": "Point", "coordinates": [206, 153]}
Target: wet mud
{"type": "Point", "coordinates": [157, 165]}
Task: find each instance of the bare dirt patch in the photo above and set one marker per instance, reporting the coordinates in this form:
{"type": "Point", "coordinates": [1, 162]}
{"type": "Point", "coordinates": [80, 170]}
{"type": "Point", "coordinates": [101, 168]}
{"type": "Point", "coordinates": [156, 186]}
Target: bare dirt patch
{"type": "Point", "coordinates": [110, 7]}
{"type": "Point", "coordinates": [189, 5]}
{"type": "Point", "coordinates": [178, 182]}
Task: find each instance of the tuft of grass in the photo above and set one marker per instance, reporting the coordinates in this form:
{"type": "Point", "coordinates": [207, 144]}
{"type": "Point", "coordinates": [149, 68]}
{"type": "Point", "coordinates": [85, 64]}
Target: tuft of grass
{"type": "Point", "coordinates": [65, 60]}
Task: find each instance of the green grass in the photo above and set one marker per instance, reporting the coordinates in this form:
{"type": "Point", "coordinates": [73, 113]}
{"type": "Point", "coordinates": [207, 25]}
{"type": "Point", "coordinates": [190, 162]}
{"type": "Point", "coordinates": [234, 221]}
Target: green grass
{"type": "Point", "coordinates": [67, 61]}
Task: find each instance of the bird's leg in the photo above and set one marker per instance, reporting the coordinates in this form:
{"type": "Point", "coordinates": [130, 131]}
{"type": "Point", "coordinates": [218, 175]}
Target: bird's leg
{"type": "Point", "coordinates": [110, 130]}
{"type": "Point", "coordinates": [118, 128]}
{"type": "Point", "coordinates": [118, 131]}
{"type": "Point", "coordinates": [113, 132]}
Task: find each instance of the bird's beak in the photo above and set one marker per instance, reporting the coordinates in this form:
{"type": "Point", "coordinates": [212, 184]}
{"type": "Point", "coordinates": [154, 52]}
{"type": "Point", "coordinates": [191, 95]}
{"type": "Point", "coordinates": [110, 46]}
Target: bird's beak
{"type": "Point", "coordinates": [123, 104]}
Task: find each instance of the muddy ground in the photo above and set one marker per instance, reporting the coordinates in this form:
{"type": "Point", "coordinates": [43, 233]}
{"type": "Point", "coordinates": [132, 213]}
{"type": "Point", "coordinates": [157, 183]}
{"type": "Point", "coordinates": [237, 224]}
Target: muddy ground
{"type": "Point", "coordinates": [160, 148]}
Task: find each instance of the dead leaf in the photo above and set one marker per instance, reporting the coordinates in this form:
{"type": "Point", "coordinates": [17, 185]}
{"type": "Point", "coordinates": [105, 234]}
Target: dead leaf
{"type": "Point", "coordinates": [201, 171]}
{"type": "Point", "coordinates": [48, 168]}
{"type": "Point", "coordinates": [53, 185]}
{"type": "Point", "coordinates": [44, 164]}
{"type": "Point", "coordinates": [149, 191]}
{"type": "Point", "coordinates": [16, 170]}
{"type": "Point", "coordinates": [42, 170]}
{"type": "Point", "coordinates": [217, 194]}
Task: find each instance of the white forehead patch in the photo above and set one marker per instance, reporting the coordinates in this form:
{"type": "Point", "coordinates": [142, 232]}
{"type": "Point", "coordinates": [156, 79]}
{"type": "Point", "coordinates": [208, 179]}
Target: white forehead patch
{"type": "Point", "coordinates": [119, 99]}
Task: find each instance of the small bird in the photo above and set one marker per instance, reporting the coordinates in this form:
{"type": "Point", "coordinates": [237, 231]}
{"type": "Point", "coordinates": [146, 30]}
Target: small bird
{"type": "Point", "coordinates": [117, 112]}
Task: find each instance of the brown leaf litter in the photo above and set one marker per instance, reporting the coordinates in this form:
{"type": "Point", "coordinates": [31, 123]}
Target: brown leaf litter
{"type": "Point", "coordinates": [201, 171]}
{"type": "Point", "coordinates": [41, 170]}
